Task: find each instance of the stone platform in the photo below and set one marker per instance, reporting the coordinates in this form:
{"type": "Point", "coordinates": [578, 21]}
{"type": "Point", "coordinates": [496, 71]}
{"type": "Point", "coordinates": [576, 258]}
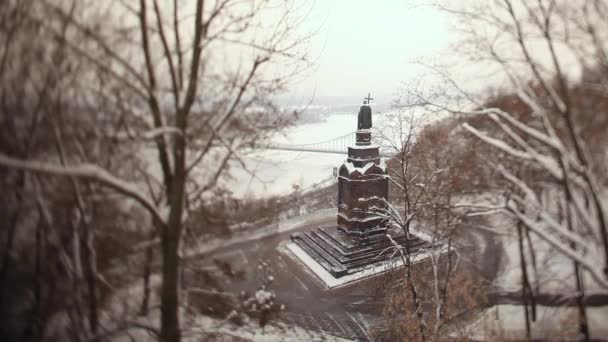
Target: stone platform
{"type": "Point", "coordinates": [341, 255]}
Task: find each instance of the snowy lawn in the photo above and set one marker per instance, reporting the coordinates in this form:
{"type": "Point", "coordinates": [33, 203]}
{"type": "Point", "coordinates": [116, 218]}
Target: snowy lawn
{"type": "Point", "coordinates": [507, 322]}
{"type": "Point", "coordinates": [281, 227]}
{"type": "Point", "coordinates": [554, 275]}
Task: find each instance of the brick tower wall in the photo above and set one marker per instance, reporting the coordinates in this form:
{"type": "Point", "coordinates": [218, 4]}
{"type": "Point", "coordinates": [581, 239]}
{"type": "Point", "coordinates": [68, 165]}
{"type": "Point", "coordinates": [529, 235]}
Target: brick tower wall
{"type": "Point", "coordinates": [362, 192]}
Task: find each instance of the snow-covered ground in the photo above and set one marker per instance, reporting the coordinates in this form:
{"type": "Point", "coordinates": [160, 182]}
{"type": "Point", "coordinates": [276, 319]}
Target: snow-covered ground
{"type": "Point", "coordinates": [283, 226]}
{"type": "Point", "coordinates": [201, 328]}
{"type": "Point", "coordinates": [553, 323]}
{"type": "Point", "coordinates": [127, 300]}
{"type": "Point", "coordinates": [555, 271]}
{"type": "Point", "coordinates": [554, 276]}
{"type": "Point", "coordinates": [251, 332]}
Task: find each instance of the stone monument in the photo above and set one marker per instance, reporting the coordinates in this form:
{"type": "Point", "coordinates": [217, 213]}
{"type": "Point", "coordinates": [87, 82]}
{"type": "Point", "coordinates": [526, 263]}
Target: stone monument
{"type": "Point", "coordinates": [359, 238]}
{"type": "Point", "coordinates": [362, 183]}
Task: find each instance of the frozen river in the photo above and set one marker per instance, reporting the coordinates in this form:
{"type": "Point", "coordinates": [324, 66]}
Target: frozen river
{"type": "Point", "coordinates": [276, 172]}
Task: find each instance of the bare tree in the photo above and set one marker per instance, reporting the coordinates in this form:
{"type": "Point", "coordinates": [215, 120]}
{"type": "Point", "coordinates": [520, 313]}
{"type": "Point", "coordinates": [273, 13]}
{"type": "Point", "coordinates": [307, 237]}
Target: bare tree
{"type": "Point", "coordinates": [193, 78]}
{"type": "Point", "coordinates": [420, 193]}
{"type": "Point", "coordinates": [546, 52]}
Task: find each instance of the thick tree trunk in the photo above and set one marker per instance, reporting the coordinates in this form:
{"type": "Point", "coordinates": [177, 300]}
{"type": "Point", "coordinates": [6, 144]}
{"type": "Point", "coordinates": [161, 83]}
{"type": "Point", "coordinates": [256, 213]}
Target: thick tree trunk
{"type": "Point", "coordinates": [10, 236]}
{"type": "Point", "coordinates": [583, 326]}
{"type": "Point", "coordinates": [524, 281]}
{"type": "Point", "coordinates": [533, 259]}
{"type": "Point", "coordinates": [90, 270]}
{"type": "Point", "coordinates": [412, 287]}
{"type": "Point", "coordinates": [444, 295]}
{"type": "Point", "coordinates": [145, 301]}
{"type": "Point", "coordinates": [170, 331]}
{"type": "Point", "coordinates": [33, 327]}
{"type": "Point", "coordinates": [170, 326]}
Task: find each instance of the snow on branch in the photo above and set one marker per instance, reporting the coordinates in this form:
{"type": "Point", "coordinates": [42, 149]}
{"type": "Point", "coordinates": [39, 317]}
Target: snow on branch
{"type": "Point", "coordinates": [556, 227]}
{"type": "Point", "coordinates": [532, 132]}
{"type": "Point", "coordinates": [164, 130]}
{"type": "Point", "coordinates": [395, 245]}
{"type": "Point", "coordinates": [594, 268]}
{"type": "Point", "coordinates": [529, 193]}
{"type": "Point", "coordinates": [476, 206]}
{"type": "Point", "coordinates": [87, 171]}
{"type": "Point", "coordinates": [547, 163]}
{"type": "Point", "coordinates": [149, 134]}
{"type": "Point", "coordinates": [479, 209]}
{"type": "Point", "coordinates": [486, 212]}
{"type": "Point", "coordinates": [550, 139]}
{"type": "Point", "coordinates": [388, 209]}
{"type": "Point", "coordinates": [531, 201]}
{"type": "Point", "coordinates": [518, 139]}
{"type": "Point", "coordinates": [501, 145]}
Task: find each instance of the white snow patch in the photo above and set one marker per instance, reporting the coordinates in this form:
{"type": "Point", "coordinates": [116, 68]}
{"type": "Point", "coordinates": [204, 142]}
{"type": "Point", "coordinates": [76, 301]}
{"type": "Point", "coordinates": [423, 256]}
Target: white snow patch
{"type": "Point", "coordinates": [271, 333]}
{"type": "Point", "coordinates": [421, 234]}
{"type": "Point", "coordinates": [365, 219]}
{"type": "Point", "coordinates": [263, 297]}
{"type": "Point", "coordinates": [362, 170]}
{"type": "Point", "coordinates": [363, 147]}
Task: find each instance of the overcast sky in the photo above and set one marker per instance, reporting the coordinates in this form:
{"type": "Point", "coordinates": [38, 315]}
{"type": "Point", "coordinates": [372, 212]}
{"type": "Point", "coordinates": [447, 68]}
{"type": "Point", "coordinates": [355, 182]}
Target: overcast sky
{"type": "Point", "coordinates": [365, 45]}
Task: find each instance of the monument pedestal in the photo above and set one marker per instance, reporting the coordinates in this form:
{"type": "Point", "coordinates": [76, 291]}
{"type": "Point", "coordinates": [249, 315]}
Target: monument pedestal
{"type": "Point", "coordinates": [341, 255]}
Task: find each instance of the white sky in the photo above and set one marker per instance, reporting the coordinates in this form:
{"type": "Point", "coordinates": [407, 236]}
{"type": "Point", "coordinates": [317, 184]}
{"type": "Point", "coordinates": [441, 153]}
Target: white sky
{"type": "Point", "coordinates": [365, 45]}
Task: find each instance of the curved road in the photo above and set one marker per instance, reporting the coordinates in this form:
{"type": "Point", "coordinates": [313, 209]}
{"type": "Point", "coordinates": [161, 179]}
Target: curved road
{"type": "Point", "coordinates": [351, 311]}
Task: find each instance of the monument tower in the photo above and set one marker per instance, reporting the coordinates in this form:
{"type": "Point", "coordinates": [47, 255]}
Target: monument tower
{"type": "Point", "coordinates": [358, 241]}
{"type": "Point", "coordinates": [362, 183]}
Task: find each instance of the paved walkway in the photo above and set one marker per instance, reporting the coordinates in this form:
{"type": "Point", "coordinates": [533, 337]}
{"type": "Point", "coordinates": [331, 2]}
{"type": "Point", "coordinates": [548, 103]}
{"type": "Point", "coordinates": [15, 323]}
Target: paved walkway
{"type": "Point", "coordinates": [351, 311]}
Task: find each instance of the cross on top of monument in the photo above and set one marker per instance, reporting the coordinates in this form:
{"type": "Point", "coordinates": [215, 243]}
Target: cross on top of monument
{"type": "Point", "coordinates": [367, 99]}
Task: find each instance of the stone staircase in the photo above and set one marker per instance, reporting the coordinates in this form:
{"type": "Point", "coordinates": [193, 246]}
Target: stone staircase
{"type": "Point", "coordinates": [340, 254]}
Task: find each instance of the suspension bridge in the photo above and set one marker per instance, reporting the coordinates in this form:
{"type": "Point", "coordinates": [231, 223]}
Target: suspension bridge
{"type": "Point", "coordinates": [337, 145]}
